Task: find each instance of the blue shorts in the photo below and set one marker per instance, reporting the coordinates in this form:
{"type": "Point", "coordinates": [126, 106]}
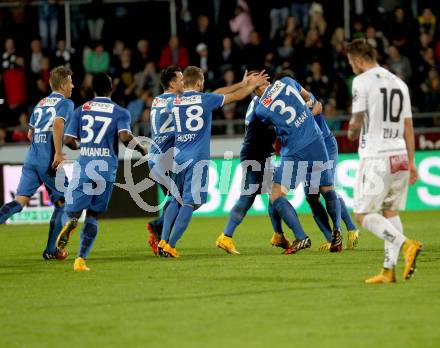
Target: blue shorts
{"type": "Point", "coordinates": [192, 184]}
{"type": "Point", "coordinates": [96, 197]}
{"type": "Point", "coordinates": [311, 166]}
{"type": "Point", "coordinates": [32, 177]}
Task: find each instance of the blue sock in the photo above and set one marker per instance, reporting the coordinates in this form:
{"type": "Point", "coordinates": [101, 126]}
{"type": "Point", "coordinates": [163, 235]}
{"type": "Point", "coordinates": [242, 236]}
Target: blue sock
{"type": "Point", "coordinates": [158, 223]}
{"type": "Point", "coordinates": [169, 218]}
{"type": "Point", "coordinates": [88, 236]}
{"type": "Point", "coordinates": [238, 212]}
{"type": "Point", "coordinates": [275, 218]}
{"type": "Point", "coordinates": [346, 216]}
{"type": "Point", "coordinates": [182, 221]}
{"type": "Point", "coordinates": [333, 208]}
{"type": "Point", "coordinates": [8, 210]}
{"type": "Point", "coordinates": [55, 227]}
{"type": "Point", "coordinates": [288, 214]}
{"type": "Point", "coordinates": [320, 216]}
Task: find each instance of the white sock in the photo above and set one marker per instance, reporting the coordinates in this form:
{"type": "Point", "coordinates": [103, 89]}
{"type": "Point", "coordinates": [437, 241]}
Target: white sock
{"type": "Point", "coordinates": [397, 223]}
{"type": "Point", "coordinates": [392, 252]}
{"type": "Point", "coordinates": [384, 229]}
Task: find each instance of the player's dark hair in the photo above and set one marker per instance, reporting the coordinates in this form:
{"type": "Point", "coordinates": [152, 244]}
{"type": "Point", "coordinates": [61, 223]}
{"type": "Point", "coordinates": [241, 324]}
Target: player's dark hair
{"type": "Point", "coordinates": [284, 73]}
{"type": "Point", "coordinates": [58, 76]}
{"type": "Point", "coordinates": [191, 75]}
{"type": "Point", "coordinates": [167, 75]}
{"type": "Point", "coordinates": [102, 85]}
{"type": "Point", "coordinates": [361, 48]}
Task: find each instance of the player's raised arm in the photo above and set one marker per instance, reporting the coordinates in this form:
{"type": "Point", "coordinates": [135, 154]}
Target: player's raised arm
{"type": "Point", "coordinates": [254, 82]}
{"type": "Point", "coordinates": [247, 79]}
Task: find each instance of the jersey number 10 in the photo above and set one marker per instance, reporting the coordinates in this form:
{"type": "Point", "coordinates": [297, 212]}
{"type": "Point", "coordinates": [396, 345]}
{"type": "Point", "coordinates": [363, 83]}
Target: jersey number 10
{"type": "Point", "coordinates": [388, 105]}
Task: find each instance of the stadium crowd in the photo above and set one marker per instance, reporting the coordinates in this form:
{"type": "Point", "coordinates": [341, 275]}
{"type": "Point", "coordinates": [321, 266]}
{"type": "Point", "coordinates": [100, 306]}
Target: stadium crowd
{"type": "Point", "coordinates": [223, 38]}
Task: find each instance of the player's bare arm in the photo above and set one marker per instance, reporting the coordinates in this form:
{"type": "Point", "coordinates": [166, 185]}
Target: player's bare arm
{"type": "Point", "coordinates": [355, 125]}
{"type": "Point", "coordinates": [316, 107]}
{"type": "Point", "coordinates": [30, 134]}
{"type": "Point", "coordinates": [243, 92]}
{"type": "Point", "coordinates": [410, 146]}
{"type": "Point", "coordinates": [126, 137]}
{"type": "Point", "coordinates": [247, 79]}
{"type": "Point", "coordinates": [58, 130]}
{"type": "Point", "coordinates": [71, 142]}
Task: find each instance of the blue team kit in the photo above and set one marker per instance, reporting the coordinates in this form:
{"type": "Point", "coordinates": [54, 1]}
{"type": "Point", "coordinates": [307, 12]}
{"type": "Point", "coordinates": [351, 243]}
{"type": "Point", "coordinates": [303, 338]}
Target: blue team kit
{"type": "Point", "coordinates": [304, 157]}
{"type": "Point", "coordinates": [192, 117]}
{"type": "Point", "coordinates": [37, 165]}
{"type": "Point", "coordinates": [96, 124]}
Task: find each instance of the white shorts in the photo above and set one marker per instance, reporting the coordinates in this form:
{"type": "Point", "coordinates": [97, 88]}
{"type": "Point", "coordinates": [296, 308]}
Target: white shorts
{"type": "Point", "coordinates": [381, 184]}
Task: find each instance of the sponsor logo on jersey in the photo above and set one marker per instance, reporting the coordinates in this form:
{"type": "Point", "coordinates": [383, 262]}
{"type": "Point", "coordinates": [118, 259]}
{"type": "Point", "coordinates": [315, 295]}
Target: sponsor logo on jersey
{"type": "Point", "coordinates": [159, 103]}
{"type": "Point", "coordinates": [49, 102]}
{"type": "Point", "coordinates": [100, 107]}
{"type": "Point", "coordinates": [273, 93]}
{"type": "Point", "coordinates": [188, 100]}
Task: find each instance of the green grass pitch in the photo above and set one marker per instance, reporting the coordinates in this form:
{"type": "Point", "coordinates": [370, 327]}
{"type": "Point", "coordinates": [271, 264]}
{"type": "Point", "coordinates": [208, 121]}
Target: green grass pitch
{"type": "Point", "coordinates": [209, 299]}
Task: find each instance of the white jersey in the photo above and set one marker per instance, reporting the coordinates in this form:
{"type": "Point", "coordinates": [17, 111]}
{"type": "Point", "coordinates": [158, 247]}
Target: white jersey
{"type": "Point", "coordinates": [385, 100]}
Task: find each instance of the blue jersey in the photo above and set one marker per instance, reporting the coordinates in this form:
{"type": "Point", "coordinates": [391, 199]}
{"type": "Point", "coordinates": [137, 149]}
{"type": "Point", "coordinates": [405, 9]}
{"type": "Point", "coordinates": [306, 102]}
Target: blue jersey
{"type": "Point", "coordinates": [97, 124]}
{"type": "Point", "coordinates": [258, 137]}
{"type": "Point", "coordinates": [161, 124]}
{"type": "Point", "coordinates": [282, 105]}
{"type": "Point", "coordinates": [192, 113]}
{"type": "Point", "coordinates": [320, 120]}
{"type": "Point", "coordinates": [42, 147]}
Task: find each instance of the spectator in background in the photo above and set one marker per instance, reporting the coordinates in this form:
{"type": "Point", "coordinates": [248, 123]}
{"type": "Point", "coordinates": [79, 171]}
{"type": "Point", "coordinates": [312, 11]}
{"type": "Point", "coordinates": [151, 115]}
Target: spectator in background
{"type": "Point", "coordinates": [317, 83]}
{"type": "Point", "coordinates": [401, 31]}
{"type": "Point", "coordinates": [358, 29]}
{"type": "Point", "coordinates": [96, 60]}
{"type": "Point", "coordinates": [48, 23]}
{"type": "Point", "coordinates": [95, 20]}
{"type": "Point", "coordinates": [174, 54]}
{"type": "Point", "coordinates": [313, 49]}
{"type": "Point", "coordinates": [37, 56]}
{"type": "Point", "coordinates": [148, 79]}
{"type": "Point", "coordinates": [20, 132]}
{"type": "Point", "coordinates": [293, 29]}
{"type": "Point", "coordinates": [228, 55]}
{"type": "Point", "coordinates": [300, 10]}
{"type": "Point", "coordinates": [229, 115]}
{"type": "Point", "coordinates": [317, 20]}
{"type": "Point", "coordinates": [241, 24]}
{"type": "Point", "coordinates": [427, 22]}
{"type": "Point", "coordinates": [378, 41]}
{"type": "Point", "coordinates": [399, 64]}
{"type": "Point", "coordinates": [254, 52]}
{"type": "Point", "coordinates": [118, 47]}
{"type": "Point", "coordinates": [124, 81]}
{"type": "Point", "coordinates": [86, 90]}
{"type": "Point", "coordinates": [330, 111]}
{"type": "Point", "coordinates": [136, 108]}
{"type": "Point", "coordinates": [63, 55]}
{"type": "Point", "coordinates": [431, 91]}
{"type": "Point", "coordinates": [142, 55]}
{"type": "Point", "coordinates": [278, 16]}
{"type": "Point", "coordinates": [9, 55]}
{"type": "Point", "coordinates": [204, 62]}
{"type": "Point", "coordinates": [14, 82]}
{"type": "Point", "coordinates": [202, 34]}
{"type": "Point", "coordinates": [285, 52]}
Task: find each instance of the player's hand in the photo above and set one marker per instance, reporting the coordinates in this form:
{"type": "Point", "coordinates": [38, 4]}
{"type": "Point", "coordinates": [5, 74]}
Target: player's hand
{"type": "Point", "coordinates": [57, 159]}
{"type": "Point", "coordinates": [310, 103]}
{"type": "Point", "coordinates": [413, 176]}
{"type": "Point", "coordinates": [261, 79]}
